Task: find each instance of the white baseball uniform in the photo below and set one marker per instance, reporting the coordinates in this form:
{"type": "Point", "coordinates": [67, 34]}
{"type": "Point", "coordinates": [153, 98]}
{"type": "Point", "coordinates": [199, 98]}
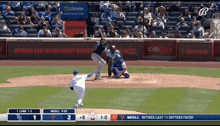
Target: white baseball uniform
{"type": "Point", "coordinates": [78, 84]}
{"type": "Point", "coordinates": [109, 53]}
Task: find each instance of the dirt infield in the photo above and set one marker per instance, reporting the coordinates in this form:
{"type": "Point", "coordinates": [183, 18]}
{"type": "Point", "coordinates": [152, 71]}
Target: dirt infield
{"type": "Point", "coordinates": [136, 80]}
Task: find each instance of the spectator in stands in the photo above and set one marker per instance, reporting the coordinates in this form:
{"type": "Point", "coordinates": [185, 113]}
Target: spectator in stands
{"type": "Point", "coordinates": [136, 6]}
{"type": "Point", "coordinates": [104, 5]}
{"type": "Point", "coordinates": [41, 32]}
{"type": "Point", "coordinates": [196, 14]}
{"type": "Point", "coordinates": [185, 13]}
{"type": "Point", "coordinates": [175, 6]}
{"type": "Point", "coordinates": [140, 27]}
{"type": "Point", "coordinates": [28, 21]}
{"type": "Point", "coordinates": [30, 11]}
{"type": "Point", "coordinates": [41, 23]}
{"type": "Point", "coordinates": [162, 11]}
{"type": "Point", "coordinates": [59, 34]}
{"type": "Point", "coordinates": [178, 34]}
{"type": "Point", "coordinates": [114, 23]}
{"type": "Point", "coordinates": [35, 18]}
{"type": "Point", "coordinates": [125, 35]}
{"type": "Point", "coordinates": [112, 33]}
{"type": "Point", "coordinates": [140, 18]}
{"type": "Point", "coordinates": [163, 35]}
{"type": "Point", "coordinates": [15, 5]}
{"type": "Point", "coordinates": [159, 23]}
{"type": "Point", "coordinates": [56, 22]}
{"type": "Point", "coordinates": [8, 12]}
{"type": "Point", "coordinates": [108, 17]}
{"type": "Point", "coordinates": [127, 30]}
{"type": "Point", "coordinates": [193, 22]}
{"type": "Point", "coordinates": [22, 18]}
{"type": "Point", "coordinates": [153, 34]}
{"type": "Point", "coordinates": [162, 18]}
{"type": "Point", "coordinates": [45, 33]}
{"type": "Point", "coordinates": [15, 21]}
{"type": "Point", "coordinates": [20, 31]}
{"type": "Point", "coordinates": [127, 6]}
{"type": "Point", "coordinates": [4, 27]}
{"type": "Point", "coordinates": [190, 35]}
{"type": "Point", "coordinates": [48, 15]}
{"type": "Point", "coordinates": [156, 11]}
{"type": "Point", "coordinates": [119, 14]}
{"type": "Point", "coordinates": [54, 5]}
{"type": "Point", "coordinates": [90, 23]}
{"type": "Point", "coordinates": [41, 5]}
{"type": "Point", "coordinates": [181, 23]}
{"type": "Point", "coordinates": [27, 4]}
{"type": "Point", "coordinates": [137, 34]}
{"type": "Point", "coordinates": [170, 33]}
{"type": "Point", "coordinates": [199, 30]}
{"type": "Point", "coordinates": [147, 14]}
{"type": "Point", "coordinates": [101, 32]}
{"type": "Point", "coordinates": [3, 7]}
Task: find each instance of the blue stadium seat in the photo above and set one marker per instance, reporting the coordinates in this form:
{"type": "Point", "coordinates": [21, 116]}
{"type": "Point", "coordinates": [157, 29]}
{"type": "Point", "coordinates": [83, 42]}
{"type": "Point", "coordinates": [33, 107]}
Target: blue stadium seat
{"type": "Point", "coordinates": [131, 18]}
{"type": "Point", "coordinates": [31, 31]}
{"type": "Point", "coordinates": [5, 35]}
{"type": "Point", "coordinates": [2, 31]}
{"type": "Point", "coordinates": [158, 32]}
{"type": "Point", "coordinates": [169, 26]}
{"type": "Point", "coordinates": [9, 18]}
{"type": "Point", "coordinates": [132, 14]}
{"type": "Point", "coordinates": [18, 13]}
{"type": "Point", "coordinates": [120, 23]}
{"type": "Point", "coordinates": [98, 26]}
{"type": "Point", "coordinates": [175, 14]}
{"type": "Point", "coordinates": [103, 23]}
{"type": "Point", "coordinates": [18, 35]}
{"type": "Point", "coordinates": [173, 23]}
{"type": "Point", "coordinates": [173, 19]}
{"type": "Point", "coordinates": [1, 18]}
{"type": "Point", "coordinates": [157, 28]}
{"type": "Point", "coordinates": [129, 23]}
{"type": "Point", "coordinates": [125, 26]}
{"type": "Point", "coordinates": [185, 28]}
{"type": "Point", "coordinates": [32, 35]}
{"type": "Point", "coordinates": [184, 32]}
{"type": "Point", "coordinates": [119, 18]}
{"type": "Point", "coordinates": [12, 27]}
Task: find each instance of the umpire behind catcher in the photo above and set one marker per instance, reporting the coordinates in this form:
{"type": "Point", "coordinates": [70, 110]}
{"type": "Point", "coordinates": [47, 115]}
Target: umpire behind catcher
{"type": "Point", "coordinates": [111, 53]}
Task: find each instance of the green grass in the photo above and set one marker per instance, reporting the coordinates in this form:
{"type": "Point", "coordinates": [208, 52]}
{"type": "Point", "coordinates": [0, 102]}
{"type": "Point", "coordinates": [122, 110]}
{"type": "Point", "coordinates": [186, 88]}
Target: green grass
{"type": "Point", "coordinates": [162, 100]}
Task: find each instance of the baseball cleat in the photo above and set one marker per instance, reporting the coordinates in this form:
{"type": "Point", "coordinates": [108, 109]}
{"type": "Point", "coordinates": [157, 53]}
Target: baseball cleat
{"type": "Point", "coordinates": [75, 106]}
{"type": "Point", "coordinates": [81, 105]}
{"type": "Point", "coordinates": [98, 78]}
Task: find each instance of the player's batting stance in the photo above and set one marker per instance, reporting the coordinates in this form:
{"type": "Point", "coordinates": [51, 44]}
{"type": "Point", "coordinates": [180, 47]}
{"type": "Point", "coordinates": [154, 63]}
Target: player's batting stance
{"type": "Point", "coordinates": [96, 56]}
{"type": "Point", "coordinates": [78, 86]}
{"type": "Point", "coordinates": [119, 68]}
{"type": "Point", "coordinates": [111, 58]}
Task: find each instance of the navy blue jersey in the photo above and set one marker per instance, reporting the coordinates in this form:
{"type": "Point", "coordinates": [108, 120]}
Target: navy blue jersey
{"type": "Point", "coordinates": [99, 48]}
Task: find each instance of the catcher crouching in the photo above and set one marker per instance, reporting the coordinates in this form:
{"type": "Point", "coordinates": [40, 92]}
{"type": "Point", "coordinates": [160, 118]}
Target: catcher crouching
{"type": "Point", "coordinates": [119, 67]}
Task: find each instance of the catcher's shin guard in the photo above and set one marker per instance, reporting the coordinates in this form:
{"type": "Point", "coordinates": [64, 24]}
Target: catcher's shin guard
{"type": "Point", "coordinates": [109, 68]}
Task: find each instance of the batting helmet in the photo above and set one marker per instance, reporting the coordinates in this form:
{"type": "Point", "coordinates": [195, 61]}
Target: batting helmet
{"type": "Point", "coordinates": [118, 56]}
{"type": "Point", "coordinates": [113, 47]}
{"type": "Point", "coordinates": [75, 72]}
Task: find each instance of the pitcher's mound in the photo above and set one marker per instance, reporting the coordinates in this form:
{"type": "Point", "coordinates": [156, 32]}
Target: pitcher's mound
{"type": "Point", "coordinates": [105, 111]}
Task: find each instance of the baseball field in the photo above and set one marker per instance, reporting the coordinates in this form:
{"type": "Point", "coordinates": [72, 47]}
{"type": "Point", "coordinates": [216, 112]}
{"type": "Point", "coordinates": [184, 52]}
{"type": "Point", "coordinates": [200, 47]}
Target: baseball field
{"type": "Point", "coordinates": [155, 87]}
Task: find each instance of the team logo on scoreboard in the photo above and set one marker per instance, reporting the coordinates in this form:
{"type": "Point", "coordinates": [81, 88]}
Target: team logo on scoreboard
{"type": "Point", "coordinates": [114, 117]}
{"type": "Point", "coordinates": [53, 117]}
{"type": "Point", "coordinates": [122, 117]}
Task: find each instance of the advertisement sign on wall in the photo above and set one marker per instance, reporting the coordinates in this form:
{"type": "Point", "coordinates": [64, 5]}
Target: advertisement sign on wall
{"type": "Point", "coordinates": [74, 11]}
{"type": "Point", "coordinates": [159, 50]}
{"type": "Point", "coordinates": [75, 27]}
{"type": "Point", "coordinates": [68, 50]}
{"type": "Point", "coordinates": [189, 51]}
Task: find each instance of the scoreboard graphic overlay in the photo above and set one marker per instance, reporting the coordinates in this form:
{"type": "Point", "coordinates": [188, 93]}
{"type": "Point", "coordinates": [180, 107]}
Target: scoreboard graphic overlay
{"type": "Point", "coordinates": [69, 115]}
